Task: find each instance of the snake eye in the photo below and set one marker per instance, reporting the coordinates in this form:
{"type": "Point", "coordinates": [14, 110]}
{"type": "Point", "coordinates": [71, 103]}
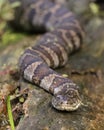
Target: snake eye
{"type": "Point", "coordinates": [59, 97]}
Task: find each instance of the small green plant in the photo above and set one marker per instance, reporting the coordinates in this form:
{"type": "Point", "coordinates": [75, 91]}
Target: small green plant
{"type": "Point", "coordinates": [10, 116]}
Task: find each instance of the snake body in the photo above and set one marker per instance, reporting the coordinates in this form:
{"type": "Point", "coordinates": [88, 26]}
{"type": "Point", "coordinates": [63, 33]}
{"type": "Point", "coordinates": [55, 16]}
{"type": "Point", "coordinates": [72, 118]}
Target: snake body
{"type": "Point", "coordinates": [64, 35]}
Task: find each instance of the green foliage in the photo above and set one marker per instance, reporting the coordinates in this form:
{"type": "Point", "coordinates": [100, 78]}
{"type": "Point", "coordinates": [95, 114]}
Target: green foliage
{"type": "Point", "coordinates": [6, 9]}
{"type": "Point", "coordinates": [94, 8]}
{"type": "Point", "coordinates": [7, 14]}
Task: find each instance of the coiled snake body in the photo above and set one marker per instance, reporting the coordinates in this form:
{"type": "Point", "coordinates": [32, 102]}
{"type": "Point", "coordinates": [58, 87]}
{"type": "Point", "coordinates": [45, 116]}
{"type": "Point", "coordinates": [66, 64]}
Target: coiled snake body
{"type": "Point", "coordinates": [64, 36]}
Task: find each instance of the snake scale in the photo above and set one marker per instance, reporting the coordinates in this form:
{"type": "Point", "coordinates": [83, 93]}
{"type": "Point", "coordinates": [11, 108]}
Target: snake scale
{"type": "Point", "coordinates": [63, 36]}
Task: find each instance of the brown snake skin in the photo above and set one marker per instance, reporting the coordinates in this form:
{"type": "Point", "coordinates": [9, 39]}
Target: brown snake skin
{"type": "Point", "coordinates": [64, 36]}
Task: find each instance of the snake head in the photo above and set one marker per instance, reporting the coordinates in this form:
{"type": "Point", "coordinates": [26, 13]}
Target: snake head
{"type": "Point", "coordinates": [67, 101]}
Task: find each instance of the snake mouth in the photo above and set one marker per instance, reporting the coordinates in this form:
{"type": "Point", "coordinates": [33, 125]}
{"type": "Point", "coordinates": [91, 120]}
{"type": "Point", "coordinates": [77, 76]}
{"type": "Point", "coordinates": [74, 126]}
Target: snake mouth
{"type": "Point", "coordinates": [64, 106]}
{"type": "Point", "coordinates": [67, 102]}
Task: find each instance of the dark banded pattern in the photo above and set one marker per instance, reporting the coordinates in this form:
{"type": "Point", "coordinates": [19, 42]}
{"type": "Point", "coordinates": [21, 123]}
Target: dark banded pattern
{"type": "Point", "coordinates": [64, 36]}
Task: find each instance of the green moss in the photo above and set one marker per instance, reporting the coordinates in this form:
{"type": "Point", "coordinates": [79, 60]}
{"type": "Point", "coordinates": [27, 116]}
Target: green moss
{"type": "Point", "coordinates": [10, 37]}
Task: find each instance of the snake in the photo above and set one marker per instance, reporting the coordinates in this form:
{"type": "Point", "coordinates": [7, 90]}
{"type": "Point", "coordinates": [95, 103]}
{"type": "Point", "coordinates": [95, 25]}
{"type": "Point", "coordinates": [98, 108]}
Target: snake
{"type": "Point", "coordinates": [63, 36]}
